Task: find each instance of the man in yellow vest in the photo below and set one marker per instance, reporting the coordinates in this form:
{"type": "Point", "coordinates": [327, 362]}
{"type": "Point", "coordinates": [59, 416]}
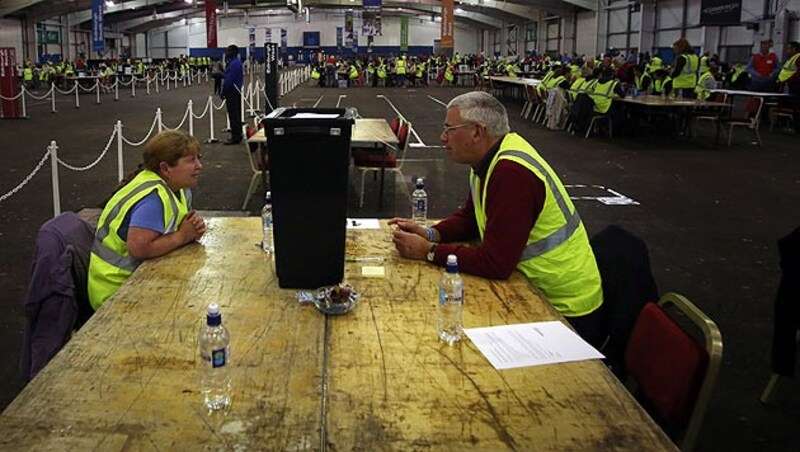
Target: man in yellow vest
{"type": "Point", "coordinates": [789, 76]}
{"type": "Point", "coordinates": [518, 209]}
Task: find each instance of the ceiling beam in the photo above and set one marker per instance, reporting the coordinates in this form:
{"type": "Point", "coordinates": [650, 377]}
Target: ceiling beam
{"type": "Point", "coordinates": [12, 6]}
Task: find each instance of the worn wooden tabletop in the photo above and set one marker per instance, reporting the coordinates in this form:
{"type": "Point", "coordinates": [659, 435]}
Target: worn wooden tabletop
{"type": "Point", "coordinates": [374, 379]}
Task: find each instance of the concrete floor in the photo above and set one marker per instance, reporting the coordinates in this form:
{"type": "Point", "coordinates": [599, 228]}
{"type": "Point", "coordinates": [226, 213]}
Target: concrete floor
{"type": "Point", "coordinates": [710, 216]}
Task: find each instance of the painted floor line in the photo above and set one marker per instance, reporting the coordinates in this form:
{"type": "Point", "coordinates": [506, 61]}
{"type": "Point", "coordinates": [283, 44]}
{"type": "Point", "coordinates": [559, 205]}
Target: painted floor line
{"type": "Point", "coordinates": [437, 101]}
{"type": "Point", "coordinates": [413, 132]}
{"type": "Point", "coordinates": [318, 101]}
{"type": "Point", "coordinates": [338, 102]}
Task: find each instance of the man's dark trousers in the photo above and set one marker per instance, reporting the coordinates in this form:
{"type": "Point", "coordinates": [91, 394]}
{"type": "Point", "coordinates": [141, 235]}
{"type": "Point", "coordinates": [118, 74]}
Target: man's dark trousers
{"type": "Point", "coordinates": [234, 103]}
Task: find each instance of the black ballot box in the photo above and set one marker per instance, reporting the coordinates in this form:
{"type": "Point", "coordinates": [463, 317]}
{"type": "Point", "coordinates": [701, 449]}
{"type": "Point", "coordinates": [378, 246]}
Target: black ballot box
{"type": "Point", "coordinates": [309, 159]}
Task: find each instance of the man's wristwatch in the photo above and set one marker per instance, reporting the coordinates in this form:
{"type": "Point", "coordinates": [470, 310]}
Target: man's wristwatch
{"type": "Point", "coordinates": [432, 252]}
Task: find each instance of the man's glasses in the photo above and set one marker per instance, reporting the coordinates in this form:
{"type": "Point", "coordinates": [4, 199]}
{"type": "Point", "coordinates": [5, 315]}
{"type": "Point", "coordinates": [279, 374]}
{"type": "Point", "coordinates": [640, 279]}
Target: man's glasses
{"type": "Point", "coordinates": [446, 129]}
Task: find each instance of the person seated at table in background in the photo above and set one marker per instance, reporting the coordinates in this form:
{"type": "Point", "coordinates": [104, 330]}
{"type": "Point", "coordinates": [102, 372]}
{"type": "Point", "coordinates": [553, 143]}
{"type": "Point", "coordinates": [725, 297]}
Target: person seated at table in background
{"type": "Point", "coordinates": [684, 74]}
{"type": "Point", "coordinates": [519, 210]}
{"type": "Point", "coordinates": [149, 215]}
{"type": "Point", "coordinates": [789, 76]}
{"type": "Point", "coordinates": [763, 68]}
{"type": "Point", "coordinates": [707, 82]}
{"type": "Point", "coordinates": [662, 85]}
{"type": "Point", "coordinates": [642, 80]}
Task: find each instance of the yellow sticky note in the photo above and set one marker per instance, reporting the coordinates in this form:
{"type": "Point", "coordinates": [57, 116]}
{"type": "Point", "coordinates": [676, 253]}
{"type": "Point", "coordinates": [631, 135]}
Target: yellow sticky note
{"type": "Point", "coordinates": [373, 272]}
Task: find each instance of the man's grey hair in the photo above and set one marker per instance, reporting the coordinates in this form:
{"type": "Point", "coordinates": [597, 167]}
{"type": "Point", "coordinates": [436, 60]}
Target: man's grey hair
{"type": "Point", "coordinates": [481, 107]}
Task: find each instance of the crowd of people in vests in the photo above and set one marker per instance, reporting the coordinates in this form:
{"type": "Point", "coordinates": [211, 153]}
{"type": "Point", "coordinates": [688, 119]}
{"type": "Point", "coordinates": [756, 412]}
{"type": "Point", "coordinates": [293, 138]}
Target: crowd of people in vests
{"type": "Point", "coordinates": [61, 72]}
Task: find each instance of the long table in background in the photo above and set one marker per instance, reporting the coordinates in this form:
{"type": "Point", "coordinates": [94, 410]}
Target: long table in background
{"type": "Point", "coordinates": [374, 379]}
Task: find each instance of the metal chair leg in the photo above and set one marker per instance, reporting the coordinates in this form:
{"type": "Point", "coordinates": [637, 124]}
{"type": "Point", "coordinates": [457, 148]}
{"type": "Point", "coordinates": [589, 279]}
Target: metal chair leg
{"type": "Point", "coordinates": [767, 394]}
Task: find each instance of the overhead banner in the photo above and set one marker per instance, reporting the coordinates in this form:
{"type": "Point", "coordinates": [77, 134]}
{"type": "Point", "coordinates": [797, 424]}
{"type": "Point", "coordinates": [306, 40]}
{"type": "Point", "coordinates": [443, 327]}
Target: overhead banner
{"type": "Point", "coordinates": [371, 18]}
{"type": "Point", "coordinates": [268, 36]}
{"type": "Point", "coordinates": [404, 34]}
{"type": "Point", "coordinates": [339, 36]}
{"type": "Point", "coordinates": [284, 42]}
{"type": "Point", "coordinates": [251, 40]}
{"type": "Point", "coordinates": [211, 24]}
{"type": "Point", "coordinates": [348, 29]}
{"type": "Point", "coordinates": [447, 24]}
{"type": "Point", "coordinates": [720, 12]}
{"type": "Point", "coordinates": [98, 36]}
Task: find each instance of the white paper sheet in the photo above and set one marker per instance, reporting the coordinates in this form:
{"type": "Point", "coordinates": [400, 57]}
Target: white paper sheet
{"type": "Point", "coordinates": [363, 223]}
{"type": "Point", "coordinates": [530, 344]}
{"type": "Point", "coordinates": [315, 116]}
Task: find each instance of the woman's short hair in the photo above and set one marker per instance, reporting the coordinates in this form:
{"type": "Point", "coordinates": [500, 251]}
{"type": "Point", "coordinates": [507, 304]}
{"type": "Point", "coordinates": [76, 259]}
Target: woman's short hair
{"type": "Point", "coordinates": [168, 147]}
{"type": "Point", "coordinates": [482, 108]}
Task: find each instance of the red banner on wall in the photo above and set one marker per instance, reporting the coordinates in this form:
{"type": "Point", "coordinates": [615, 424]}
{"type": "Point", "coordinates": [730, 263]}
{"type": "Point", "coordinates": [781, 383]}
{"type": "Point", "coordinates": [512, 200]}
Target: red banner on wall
{"type": "Point", "coordinates": [448, 22]}
{"type": "Point", "coordinates": [211, 23]}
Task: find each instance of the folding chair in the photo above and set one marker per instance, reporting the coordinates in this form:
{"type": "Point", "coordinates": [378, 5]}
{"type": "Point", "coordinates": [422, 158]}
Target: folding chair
{"type": "Point", "coordinates": [711, 114]}
{"type": "Point", "coordinates": [780, 112]}
{"type": "Point", "coordinates": [600, 118]}
{"type": "Point", "coordinates": [375, 162]}
{"type": "Point", "coordinates": [751, 120]}
{"type": "Point", "coordinates": [259, 166]}
{"type": "Point", "coordinates": [670, 370]}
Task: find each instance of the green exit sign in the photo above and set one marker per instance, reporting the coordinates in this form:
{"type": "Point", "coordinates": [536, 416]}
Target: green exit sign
{"type": "Point", "coordinates": [48, 36]}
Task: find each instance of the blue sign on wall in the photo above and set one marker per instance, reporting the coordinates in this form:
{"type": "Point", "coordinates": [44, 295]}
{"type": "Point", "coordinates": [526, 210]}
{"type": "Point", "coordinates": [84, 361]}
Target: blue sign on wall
{"type": "Point", "coordinates": [98, 37]}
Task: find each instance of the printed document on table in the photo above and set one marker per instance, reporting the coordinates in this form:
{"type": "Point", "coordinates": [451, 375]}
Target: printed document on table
{"type": "Point", "coordinates": [363, 223]}
{"type": "Point", "coordinates": [530, 344]}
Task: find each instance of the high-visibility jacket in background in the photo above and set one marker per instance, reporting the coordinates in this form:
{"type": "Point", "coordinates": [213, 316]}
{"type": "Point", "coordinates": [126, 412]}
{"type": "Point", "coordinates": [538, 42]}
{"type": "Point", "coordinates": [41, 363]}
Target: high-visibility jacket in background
{"type": "Point", "coordinates": [789, 68]}
{"type": "Point", "coordinates": [602, 94]}
{"type": "Point", "coordinates": [687, 79]}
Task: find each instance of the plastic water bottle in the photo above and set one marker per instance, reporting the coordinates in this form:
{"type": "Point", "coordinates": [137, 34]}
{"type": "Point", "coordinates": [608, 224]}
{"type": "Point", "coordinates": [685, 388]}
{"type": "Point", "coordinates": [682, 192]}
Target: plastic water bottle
{"type": "Point", "coordinates": [215, 379]}
{"type": "Point", "coordinates": [419, 203]}
{"type": "Point", "coordinates": [451, 298]}
{"type": "Point", "coordinates": [267, 243]}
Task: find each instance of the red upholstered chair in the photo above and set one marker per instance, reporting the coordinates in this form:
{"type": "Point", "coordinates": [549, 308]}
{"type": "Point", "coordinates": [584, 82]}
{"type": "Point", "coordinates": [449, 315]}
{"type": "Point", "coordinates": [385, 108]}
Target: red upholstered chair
{"type": "Point", "coordinates": [258, 165]}
{"type": "Point", "coordinates": [366, 161]}
{"type": "Point", "coordinates": [669, 370]}
{"type": "Point", "coordinates": [395, 124]}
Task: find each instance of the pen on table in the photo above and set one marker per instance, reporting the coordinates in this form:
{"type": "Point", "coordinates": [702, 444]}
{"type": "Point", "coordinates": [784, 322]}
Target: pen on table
{"type": "Point", "coordinates": [365, 259]}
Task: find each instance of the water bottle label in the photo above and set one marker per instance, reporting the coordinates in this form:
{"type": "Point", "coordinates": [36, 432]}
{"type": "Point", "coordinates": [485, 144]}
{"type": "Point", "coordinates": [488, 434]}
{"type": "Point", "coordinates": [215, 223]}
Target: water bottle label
{"type": "Point", "coordinates": [420, 205]}
{"type": "Point", "coordinates": [218, 358]}
{"type": "Point", "coordinates": [442, 297]}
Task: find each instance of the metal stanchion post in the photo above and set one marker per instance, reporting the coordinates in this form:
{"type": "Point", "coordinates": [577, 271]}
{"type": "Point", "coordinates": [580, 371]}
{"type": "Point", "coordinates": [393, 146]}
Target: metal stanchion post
{"type": "Point", "coordinates": [97, 90]}
{"type": "Point", "coordinates": [53, 148]}
{"type": "Point", "coordinates": [120, 163]}
{"type": "Point", "coordinates": [24, 109]}
{"type": "Point", "coordinates": [77, 99]}
{"type": "Point", "coordinates": [211, 138]}
{"type": "Point", "coordinates": [116, 88]}
{"type": "Point", "coordinates": [53, 97]}
{"type": "Point", "coordinates": [191, 119]}
{"type": "Point", "coordinates": [133, 86]}
{"type": "Point", "coordinates": [160, 124]}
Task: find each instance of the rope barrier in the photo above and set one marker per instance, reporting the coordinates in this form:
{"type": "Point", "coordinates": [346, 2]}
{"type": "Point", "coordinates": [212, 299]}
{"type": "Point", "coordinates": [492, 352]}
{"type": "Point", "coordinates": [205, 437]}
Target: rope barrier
{"type": "Point", "coordinates": [28, 178]}
{"type": "Point", "coordinates": [96, 161]}
{"type": "Point", "coordinates": [185, 115]}
{"type": "Point", "coordinates": [143, 140]}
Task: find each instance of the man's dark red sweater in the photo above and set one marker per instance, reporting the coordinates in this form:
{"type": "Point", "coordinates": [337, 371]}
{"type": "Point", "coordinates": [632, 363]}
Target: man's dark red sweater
{"type": "Point", "coordinates": [514, 199]}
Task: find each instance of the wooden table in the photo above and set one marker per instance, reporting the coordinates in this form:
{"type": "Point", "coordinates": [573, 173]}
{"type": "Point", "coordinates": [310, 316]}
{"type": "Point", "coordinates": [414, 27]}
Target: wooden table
{"type": "Point", "coordinates": [372, 133]}
{"type": "Point", "coordinates": [653, 101]}
{"type": "Point", "coordinates": [374, 379]}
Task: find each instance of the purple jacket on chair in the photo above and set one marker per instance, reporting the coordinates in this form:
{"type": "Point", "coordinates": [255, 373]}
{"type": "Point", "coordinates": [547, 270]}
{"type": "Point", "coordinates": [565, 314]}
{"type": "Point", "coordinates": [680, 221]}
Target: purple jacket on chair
{"type": "Point", "coordinates": [56, 301]}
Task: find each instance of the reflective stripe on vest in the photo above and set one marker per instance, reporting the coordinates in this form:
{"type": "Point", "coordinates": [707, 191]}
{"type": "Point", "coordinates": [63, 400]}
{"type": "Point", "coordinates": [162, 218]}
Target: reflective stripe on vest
{"type": "Point", "coordinates": [555, 238]}
{"type": "Point", "coordinates": [640, 81]}
{"type": "Point", "coordinates": [688, 75]}
{"type": "Point", "coordinates": [789, 68]}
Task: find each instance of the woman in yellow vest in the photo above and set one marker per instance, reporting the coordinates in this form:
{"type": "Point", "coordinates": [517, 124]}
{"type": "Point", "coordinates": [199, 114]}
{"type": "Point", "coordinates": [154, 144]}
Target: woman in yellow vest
{"type": "Point", "coordinates": [519, 211]}
{"type": "Point", "coordinates": [149, 215]}
{"type": "Point", "coordinates": [684, 74]}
